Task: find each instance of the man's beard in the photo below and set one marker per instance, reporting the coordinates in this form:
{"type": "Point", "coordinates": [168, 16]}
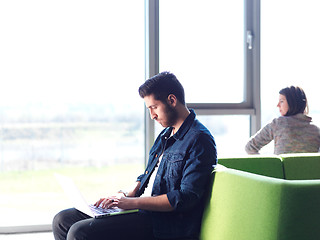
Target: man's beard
{"type": "Point", "coordinates": [172, 116]}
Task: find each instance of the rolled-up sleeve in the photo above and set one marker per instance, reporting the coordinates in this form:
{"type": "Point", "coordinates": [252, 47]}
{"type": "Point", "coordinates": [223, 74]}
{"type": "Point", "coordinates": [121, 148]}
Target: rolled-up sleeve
{"type": "Point", "coordinates": [139, 178]}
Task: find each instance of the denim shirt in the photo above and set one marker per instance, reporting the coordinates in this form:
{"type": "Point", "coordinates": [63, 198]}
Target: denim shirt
{"type": "Point", "coordinates": [184, 174]}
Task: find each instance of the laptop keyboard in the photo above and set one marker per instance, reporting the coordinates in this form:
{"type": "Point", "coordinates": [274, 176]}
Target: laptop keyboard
{"type": "Point", "coordinates": [101, 210]}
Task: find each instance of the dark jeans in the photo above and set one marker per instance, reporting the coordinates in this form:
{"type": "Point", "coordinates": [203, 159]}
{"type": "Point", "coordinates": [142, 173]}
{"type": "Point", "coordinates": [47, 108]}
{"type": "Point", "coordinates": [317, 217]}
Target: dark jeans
{"type": "Point", "coordinates": [72, 224]}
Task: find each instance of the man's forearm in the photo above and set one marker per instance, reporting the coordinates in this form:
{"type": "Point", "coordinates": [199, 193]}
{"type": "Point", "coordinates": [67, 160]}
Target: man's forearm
{"type": "Point", "coordinates": [157, 203]}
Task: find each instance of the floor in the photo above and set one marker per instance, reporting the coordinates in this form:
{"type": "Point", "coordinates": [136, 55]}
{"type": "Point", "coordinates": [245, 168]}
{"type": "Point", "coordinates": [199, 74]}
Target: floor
{"type": "Point", "coordinates": [30, 236]}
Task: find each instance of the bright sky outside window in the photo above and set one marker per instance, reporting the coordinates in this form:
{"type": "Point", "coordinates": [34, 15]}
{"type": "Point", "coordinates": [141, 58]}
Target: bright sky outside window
{"type": "Point", "coordinates": [202, 43]}
{"type": "Point", "coordinates": [70, 72]}
{"type": "Point", "coordinates": [289, 52]}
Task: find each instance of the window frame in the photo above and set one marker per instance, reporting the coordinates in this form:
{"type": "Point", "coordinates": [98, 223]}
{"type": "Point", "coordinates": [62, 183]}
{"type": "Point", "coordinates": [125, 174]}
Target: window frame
{"type": "Point", "coordinates": [251, 104]}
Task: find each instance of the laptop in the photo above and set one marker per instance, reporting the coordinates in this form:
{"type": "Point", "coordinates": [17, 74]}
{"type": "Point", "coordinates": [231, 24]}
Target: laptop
{"type": "Point", "coordinates": [78, 201]}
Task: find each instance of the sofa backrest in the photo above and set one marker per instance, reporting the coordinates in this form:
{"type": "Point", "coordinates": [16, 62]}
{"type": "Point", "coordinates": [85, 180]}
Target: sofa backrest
{"type": "Point", "coordinates": [270, 166]}
{"type": "Point", "coordinates": [243, 206]}
{"type": "Point", "coordinates": [301, 166]}
{"type": "Point", "coordinates": [247, 206]}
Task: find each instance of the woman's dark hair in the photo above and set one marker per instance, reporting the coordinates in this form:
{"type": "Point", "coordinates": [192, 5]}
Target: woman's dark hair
{"type": "Point", "coordinates": [296, 99]}
{"type": "Point", "coordinates": [161, 86]}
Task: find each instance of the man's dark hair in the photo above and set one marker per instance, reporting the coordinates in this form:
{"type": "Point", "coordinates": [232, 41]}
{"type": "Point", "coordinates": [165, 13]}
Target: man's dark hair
{"type": "Point", "coordinates": [161, 86]}
{"type": "Point", "coordinates": [296, 99]}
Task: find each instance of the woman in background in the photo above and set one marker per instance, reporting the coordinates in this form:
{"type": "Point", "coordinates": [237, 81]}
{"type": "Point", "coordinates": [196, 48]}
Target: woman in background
{"type": "Point", "coordinates": [293, 131]}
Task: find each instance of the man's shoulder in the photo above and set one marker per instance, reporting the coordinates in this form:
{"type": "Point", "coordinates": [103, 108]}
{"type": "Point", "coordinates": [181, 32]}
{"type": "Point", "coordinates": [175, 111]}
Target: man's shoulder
{"type": "Point", "coordinates": [200, 128]}
{"type": "Point", "coordinates": [200, 133]}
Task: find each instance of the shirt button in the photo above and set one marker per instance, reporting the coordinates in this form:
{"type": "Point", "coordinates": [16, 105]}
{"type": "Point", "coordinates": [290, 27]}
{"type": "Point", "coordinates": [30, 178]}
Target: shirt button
{"type": "Point", "coordinates": [146, 172]}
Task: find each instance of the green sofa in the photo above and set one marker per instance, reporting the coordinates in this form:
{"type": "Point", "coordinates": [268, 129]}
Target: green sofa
{"type": "Point", "coordinates": [301, 166]}
{"type": "Point", "coordinates": [259, 203]}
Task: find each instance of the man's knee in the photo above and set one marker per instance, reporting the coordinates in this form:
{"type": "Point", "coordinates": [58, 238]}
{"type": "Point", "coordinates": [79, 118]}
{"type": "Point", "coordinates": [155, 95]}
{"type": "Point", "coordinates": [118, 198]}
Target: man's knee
{"type": "Point", "coordinates": [57, 220]}
{"type": "Point", "coordinates": [58, 228]}
{"type": "Point", "coordinates": [78, 231]}
{"type": "Point", "coordinates": [64, 220]}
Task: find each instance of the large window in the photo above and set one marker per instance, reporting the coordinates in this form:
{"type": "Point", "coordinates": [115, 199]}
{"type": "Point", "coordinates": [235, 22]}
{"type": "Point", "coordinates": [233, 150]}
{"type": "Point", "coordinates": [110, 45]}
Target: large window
{"type": "Point", "coordinates": [70, 71]}
{"type": "Point", "coordinates": [211, 47]}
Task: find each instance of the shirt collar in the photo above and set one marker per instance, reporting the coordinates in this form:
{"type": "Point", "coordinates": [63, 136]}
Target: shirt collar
{"type": "Point", "coordinates": [184, 127]}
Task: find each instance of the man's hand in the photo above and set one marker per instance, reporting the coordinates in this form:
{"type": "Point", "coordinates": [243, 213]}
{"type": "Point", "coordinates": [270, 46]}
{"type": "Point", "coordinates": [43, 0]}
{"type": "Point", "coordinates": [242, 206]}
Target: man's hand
{"type": "Point", "coordinates": [109, 202]}
{"type": "Point", "coordinates": [127, 202]}
{"type": "Point", "coordinates": [113, 201]}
